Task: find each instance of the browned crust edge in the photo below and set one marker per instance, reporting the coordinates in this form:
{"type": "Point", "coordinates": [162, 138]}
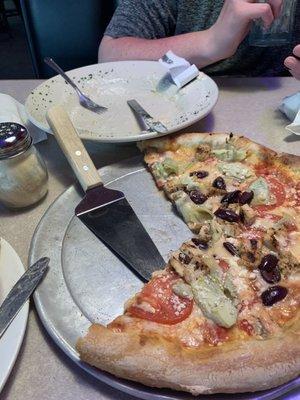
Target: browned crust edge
{"type": "Point", "coordinates": [170, 142]}
{"type": "Point", "coordinates": [239, 366]}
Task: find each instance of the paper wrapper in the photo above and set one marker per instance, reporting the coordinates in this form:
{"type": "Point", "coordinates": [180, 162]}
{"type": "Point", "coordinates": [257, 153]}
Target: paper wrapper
{"type": "Point", "coordinates": [181, 71]}
{"type": "Point", "coordinates": [291, 108]}
{"type": "Point", "coordinates": [13, 111]}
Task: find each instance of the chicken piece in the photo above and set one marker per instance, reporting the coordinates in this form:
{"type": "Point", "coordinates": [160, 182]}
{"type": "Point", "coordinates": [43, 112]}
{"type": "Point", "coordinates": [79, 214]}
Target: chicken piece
{"type": "Point", "coordinates": [203, 152]}
{"type": "Point", "coordinates": [250, 252]}
{"type": "Point", "coordinates": [205, 233]}
{"type": "Point", "coordinates": [269, 239]}
{"type": "Point", "coordinates": [248, 215]}
{"type": "Point", "coordinates": [288, 263]}
{"type": "Point", "coordinates": [189, 262]}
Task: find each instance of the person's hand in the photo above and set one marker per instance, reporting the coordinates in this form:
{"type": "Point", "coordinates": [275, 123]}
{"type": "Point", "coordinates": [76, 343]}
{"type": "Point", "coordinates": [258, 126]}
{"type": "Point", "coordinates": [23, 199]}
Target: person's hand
{"type": "Point", "coordinates": [293, 63]}
{"type": "Point", "coordinates": [234, 23]}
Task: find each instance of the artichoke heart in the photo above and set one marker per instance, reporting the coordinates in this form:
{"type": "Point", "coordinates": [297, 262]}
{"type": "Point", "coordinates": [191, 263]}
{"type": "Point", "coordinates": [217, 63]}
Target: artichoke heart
{"type": "Point", "coordinates": [182, 289]}
{"type": "Point", "coordinates": [261, 192]}
{"type": "Point", "coordinates": [235, 170]}
{"type": "Point", "coordinates": [286, 220]}
{"type": "Point", "coordinates": [230, 154]}
{"type": "Point", "coordinates": [189, 182]}
{"type": "Point", "coordinates": [166, 168]}
{"type": "Point", "coordinates": [216, 230]}
{"type": "Point", "coordinates": [191, 212]}
{"type": "Point", "coordinates": [214, 304]}
{"type": "Point", "coordinates": [229, 288]}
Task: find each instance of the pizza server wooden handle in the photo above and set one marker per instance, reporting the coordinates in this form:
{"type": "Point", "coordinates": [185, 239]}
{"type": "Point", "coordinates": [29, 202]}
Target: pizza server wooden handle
{"type": "Point", "coordinates": [73, 148]}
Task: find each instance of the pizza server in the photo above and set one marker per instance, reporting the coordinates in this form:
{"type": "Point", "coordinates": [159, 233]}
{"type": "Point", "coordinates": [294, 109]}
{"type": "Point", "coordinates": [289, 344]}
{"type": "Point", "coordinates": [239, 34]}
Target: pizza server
{"type": "Point", "coordinates": [104, 211]}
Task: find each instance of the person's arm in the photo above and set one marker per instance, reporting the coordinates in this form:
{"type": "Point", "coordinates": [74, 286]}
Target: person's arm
{"type": "Point", "coordinates": [293, 62]}
{"type": "Point", "coordinates": [202, 48]}
{"type": "Point", "coordinates": [194, 46]}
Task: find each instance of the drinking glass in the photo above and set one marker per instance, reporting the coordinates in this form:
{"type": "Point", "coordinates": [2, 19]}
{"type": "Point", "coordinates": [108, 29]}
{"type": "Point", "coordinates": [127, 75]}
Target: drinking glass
{"type": "Point", "coordinates": [281, 30]}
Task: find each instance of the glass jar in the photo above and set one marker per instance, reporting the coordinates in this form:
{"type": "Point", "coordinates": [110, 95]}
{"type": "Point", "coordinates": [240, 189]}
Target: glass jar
{"type": "Point", "coordinates": [23, 173]}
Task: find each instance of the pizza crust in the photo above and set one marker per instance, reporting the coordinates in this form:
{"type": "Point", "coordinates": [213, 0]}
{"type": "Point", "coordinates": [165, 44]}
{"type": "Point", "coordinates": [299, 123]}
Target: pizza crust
{"type": "Point", "coordinates": [216, 139]}
{"type": "Point", "coordinates": [163, 144]}
{"type": "Point", "coordinates": [238, 366]}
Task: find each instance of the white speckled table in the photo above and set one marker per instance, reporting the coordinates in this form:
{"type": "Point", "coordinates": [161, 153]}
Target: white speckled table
{"type": "Point", "coordinates": [42, 371]}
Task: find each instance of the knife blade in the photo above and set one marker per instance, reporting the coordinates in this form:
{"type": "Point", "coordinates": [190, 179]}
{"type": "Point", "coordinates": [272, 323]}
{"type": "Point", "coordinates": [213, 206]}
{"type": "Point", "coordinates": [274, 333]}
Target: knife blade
{"type": "Point", "coordinates": [104, 211]}
{"type": "Point", "coordinates": [144, 118]}
{"type": "Point", "coordinates": [21, 292]}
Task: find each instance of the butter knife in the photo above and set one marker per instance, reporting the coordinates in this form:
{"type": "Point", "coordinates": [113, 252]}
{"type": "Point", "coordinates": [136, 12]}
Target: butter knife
{"type": "Point", "coordinates": [145, 120]}
{"type": "Point", "coordinates": [21, 292]}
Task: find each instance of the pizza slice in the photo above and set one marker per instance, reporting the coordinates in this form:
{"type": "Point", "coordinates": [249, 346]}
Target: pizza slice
{"type": "Point", "coordinates": [208, 323]}
{"type": "Point", "coordinates": [203, 173]}
{"type": "Point", "coordinates": [217, 179]}
{"type": "Point", "coordinates": [223, 317]}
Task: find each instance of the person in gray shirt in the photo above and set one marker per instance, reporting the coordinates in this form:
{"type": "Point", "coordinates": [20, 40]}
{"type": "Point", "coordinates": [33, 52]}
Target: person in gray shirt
{"type": "Point", "coordinates": [213, 34]}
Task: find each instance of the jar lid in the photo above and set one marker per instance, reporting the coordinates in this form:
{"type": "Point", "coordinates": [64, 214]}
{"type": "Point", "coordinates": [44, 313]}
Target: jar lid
{"type": "Point", "coordinates": [14, 139]}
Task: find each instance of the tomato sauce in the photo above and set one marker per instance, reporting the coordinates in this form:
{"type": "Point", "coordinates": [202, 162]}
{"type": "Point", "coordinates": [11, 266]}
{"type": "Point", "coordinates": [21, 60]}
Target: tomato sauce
{"type": "Point", "coordinates": [278, 181]}
{"type": "Point", "coordinates": [165, 307]}
{"type": "Point", "coordinates": [277, 192]}
{"type": "Point", "coordinates": [214, 334]}
{"type": "Point", "coordinates": [245, 326]}
{"type": "Point", "coordinates": [224, 265]}
{"type": "Point", "coordinates": [252, 233]}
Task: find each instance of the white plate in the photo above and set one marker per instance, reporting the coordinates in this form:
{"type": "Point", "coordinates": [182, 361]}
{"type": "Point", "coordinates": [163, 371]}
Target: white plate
{"type": "Point", "coordinates": [111, 85]}
{"type": "Point", "coordinates": [11, 269]}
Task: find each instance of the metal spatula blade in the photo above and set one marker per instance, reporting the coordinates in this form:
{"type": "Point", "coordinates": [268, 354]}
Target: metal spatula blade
{"type": "Point", "coordinates": [116, 224]}
{"type": "Point", "coordinates": [104, 211]}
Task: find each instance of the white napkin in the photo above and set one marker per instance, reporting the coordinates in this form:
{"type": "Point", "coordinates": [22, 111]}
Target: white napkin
{"type": "Point", "coordinates": [291, 108]}
{"type": "Point", "coordinates": [13, 111]}
{"type": "Point", "coordinates": [182, 72]}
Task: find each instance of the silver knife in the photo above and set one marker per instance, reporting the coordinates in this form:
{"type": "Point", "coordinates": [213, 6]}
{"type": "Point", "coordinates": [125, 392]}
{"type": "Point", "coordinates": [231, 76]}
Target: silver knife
{"type": "Point", "coordinates": [145, 120]}
{"type": "Point", "coordinates": [21, 292]}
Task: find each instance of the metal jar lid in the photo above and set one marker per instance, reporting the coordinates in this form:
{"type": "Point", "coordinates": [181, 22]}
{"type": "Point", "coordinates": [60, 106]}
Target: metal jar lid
{"type": "Point", "coordinates": [14, 139]}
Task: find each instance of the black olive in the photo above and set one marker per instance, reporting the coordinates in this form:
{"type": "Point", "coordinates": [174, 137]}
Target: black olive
{"type": "Point", "coordinates": [199, 174]}
{"type": "Point", "coordinates": [231, 197]}
{"type": "Point", "coordinates": [246, 197]}
{"type": "Point", "coordinates": [253, 243]}
{"type": "Point", "coordinates": [268, 263]}
{"type": "Point", "coordinates": [197, 197]}
{"type": "Point", "coordinates": [198, 265]}
{"type": "Point", "coordinates": [250, 256]}
{"type": "Point", "coordinates": [219, 183]}
{"type": "Point", "coordinates": [184, 258]}
{"type": "Point", "coordinates": [200, 243]}
{"type": "Point", "coordinates": [273, 276]}
{"type": "Point", "coordinates": [273, 294]}
{"type": "Point", "coordinates": [242, 216]}
{"type": "Point", "coordinates": [227, 215]}
{"type": "Point", "coordinates": [231, 248]}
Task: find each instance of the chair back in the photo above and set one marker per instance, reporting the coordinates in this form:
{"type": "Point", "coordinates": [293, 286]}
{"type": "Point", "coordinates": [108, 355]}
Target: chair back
{"type": "Point", "coordinates": [69, 31]}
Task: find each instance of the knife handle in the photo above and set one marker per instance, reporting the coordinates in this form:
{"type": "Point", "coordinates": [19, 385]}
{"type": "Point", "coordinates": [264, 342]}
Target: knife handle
{"type": "Point", "coordinates": [73, 148]}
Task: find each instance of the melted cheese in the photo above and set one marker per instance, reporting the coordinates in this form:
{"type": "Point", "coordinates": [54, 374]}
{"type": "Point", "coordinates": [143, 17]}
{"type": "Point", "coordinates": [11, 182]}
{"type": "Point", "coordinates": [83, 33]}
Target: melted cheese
{"type": "Point", "coordinates": [213, 203]}
{"type": "Point", "coordinates": [250, 285]}
{"type": "Point", "coordinates": [294, 244]}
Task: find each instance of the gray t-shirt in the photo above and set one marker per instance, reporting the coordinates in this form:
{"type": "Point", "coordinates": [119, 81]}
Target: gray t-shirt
{"type": "Point", "coordinates": [153, 19]}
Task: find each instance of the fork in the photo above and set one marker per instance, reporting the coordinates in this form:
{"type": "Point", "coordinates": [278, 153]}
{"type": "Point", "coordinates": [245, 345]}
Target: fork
{"type": "Point", "coordinates": [84, 101]}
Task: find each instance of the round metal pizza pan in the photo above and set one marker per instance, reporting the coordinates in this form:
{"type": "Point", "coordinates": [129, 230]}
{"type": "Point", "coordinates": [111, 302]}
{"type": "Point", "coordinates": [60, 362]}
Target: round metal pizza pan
{"type": "Point", "coordinates": [87, 283]}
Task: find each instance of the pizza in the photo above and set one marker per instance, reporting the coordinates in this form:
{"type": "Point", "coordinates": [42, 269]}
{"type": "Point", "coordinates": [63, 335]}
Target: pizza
{"type": "Point", "coordinates": [223, 316]}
